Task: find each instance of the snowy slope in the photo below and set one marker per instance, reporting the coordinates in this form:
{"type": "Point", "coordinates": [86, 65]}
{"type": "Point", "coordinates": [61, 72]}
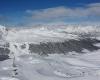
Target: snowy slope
{"type": "Point", "coordinates": [68, 52]}
{"type": "Point", "coordinates": [47, 34]}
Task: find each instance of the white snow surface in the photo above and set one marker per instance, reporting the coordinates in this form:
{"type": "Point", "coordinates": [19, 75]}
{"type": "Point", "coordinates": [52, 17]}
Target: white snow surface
{"type": "Point", "coordinates": [48, 34]}
{"type": "Point", "coordinates": [54, 66]}
{"type": "Point", "coordinates": [37, 35]}
{"type": "Point", "coordinates": [60, 67]}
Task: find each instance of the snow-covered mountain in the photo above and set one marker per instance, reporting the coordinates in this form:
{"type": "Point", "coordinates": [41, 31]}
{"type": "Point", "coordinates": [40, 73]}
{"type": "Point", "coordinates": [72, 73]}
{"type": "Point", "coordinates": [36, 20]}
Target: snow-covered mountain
{"type": "Point", "coordinates": [50, 52]}
{"type": "Point", "coordinates": [47, 39]}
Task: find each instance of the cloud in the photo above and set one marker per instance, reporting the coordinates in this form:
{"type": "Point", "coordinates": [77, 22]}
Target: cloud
{"type": "Point", "coordinates": [94, 5]}
{"type": "Point", "coordinates": [86, 13]}
{"type": "Point", "coordinates": [63, 13]}
{"type": "Point", "coordinates": [82, 15]}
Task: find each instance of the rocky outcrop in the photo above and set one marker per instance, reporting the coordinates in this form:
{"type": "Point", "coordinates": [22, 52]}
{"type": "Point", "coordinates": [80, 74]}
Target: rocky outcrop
{"type": "Point", "coordinates": [64, 47]}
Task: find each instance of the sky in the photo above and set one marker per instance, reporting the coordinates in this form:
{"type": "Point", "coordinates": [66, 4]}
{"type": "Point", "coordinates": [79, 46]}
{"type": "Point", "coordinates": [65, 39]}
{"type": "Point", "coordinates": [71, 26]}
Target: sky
{"type": "Point", "coordinates": [30, 12]}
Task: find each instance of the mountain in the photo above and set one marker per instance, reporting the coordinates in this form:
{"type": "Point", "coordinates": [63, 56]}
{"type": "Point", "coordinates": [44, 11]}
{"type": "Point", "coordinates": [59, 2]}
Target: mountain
{"type": "Point", "coordinates": [49, 39]}
{"type": "Point", "coordinates": [50, 52]}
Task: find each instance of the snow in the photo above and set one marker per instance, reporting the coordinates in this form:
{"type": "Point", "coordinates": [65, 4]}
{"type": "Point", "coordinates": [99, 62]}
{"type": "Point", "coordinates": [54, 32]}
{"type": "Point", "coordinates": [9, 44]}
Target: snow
{"type": "Point", "coordinates": [47, 34]}
{"type": "Point", "coordinates": [25, 66]}
{"type": "Point", "coordinates": [60, 67]}
{"type": "Point", "coordinates": [98, 44]}
{"type": "Point", "coordinates": [36, 36]}
{"type": "Point", "coordinates": [8, 78]}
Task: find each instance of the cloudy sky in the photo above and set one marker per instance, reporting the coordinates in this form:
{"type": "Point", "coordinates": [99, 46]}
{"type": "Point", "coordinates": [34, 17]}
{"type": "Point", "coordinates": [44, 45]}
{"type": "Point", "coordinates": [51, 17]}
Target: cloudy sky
{"type": "Point", "coordinates": [30, 12]}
